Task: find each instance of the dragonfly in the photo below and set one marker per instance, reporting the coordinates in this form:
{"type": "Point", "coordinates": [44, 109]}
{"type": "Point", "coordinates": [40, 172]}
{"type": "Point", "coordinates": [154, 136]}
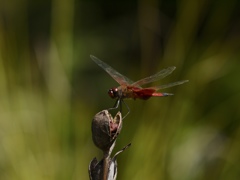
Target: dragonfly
{"type": "Point", "coordinates": [129, 89]}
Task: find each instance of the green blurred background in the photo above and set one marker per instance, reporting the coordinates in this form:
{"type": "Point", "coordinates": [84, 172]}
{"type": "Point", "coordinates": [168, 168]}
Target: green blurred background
{"type": "Point", "coordinates": [50, 89]}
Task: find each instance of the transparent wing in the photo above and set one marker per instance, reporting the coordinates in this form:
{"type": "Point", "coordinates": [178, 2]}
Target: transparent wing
{"type": "Point", "coordinates": [160, 75]}
{"type": "Point", "coordinates": [121, 79]}
{"type": "Point", "coordinates": [169, 85]}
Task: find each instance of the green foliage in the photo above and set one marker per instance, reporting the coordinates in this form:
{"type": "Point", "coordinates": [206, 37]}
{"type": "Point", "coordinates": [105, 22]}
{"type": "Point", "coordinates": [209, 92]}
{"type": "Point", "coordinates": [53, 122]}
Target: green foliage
{"type": "Point", "coordinates": [50, 89]}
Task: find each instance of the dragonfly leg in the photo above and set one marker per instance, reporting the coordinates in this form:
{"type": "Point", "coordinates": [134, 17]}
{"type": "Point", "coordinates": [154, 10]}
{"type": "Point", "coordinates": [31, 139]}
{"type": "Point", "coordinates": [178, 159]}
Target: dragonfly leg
{"type": "Point", "coordinates": [127, 109]}
{"type": "Point", "coordinates": [120, 104]}
{"type": "Point", "coordinates": [117, 104]}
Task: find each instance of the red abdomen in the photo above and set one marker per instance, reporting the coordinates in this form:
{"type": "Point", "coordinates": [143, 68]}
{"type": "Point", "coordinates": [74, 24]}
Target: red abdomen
{"type": "Point", "coordinates": [144, 93]}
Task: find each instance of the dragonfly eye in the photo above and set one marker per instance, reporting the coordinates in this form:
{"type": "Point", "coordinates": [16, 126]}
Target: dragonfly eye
{"type": "Point", "coordinates": [113, 92]}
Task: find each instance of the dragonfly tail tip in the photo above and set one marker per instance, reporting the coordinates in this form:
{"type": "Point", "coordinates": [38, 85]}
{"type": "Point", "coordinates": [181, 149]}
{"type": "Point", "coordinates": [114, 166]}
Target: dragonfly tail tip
{"type": "Point", "coordinates": [168, 94]}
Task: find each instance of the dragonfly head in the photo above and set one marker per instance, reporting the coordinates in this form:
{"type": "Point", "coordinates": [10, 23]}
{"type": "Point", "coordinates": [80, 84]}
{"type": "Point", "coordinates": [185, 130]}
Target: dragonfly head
{"type": "Point", "coordinates": [113, 93]}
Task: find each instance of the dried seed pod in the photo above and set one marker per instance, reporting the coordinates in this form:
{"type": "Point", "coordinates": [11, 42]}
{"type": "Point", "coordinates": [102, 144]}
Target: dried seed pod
{"type": "Point", "coordinates": [105, 129]}
{"type": "Point", "coordinates": [96, 168]}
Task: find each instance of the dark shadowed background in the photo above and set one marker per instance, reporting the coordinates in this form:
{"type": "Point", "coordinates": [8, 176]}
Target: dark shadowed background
{"type": "Point", "coordinates": [50, 89]}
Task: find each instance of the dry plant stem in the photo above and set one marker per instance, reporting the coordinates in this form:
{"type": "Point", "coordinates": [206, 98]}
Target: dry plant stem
{"type": "Point", "coordinates": [105, 130]}
{"type": "Point", "coordinates": [105, 166]}
{"type": "Point", "coordinates": [107, 161]}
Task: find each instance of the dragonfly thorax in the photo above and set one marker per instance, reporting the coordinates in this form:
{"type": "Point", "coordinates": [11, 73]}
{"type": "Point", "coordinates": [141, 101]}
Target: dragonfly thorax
{"type": "Point", "coordinates": [114, 93]}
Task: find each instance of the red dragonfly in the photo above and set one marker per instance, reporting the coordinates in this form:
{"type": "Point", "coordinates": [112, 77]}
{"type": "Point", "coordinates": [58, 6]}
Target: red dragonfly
{"type": "Point", "coordinates": [131, 89]}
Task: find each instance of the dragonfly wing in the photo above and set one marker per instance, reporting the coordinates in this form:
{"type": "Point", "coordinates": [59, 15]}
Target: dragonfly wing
{"type": "Point", "coordinates": [169, 85]}
{"type": "Point", "coordinates": [160, 75]}
{"type": "Point", "coordinates": [121, 79]}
